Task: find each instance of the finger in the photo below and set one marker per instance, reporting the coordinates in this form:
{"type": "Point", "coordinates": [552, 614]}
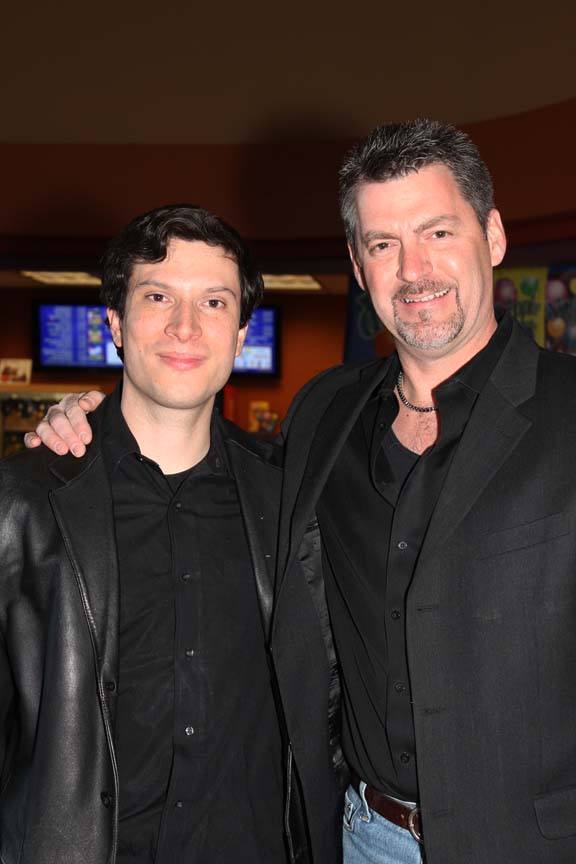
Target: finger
{"type": "Point", "coordinates": [58, 434]}
{"type": "Point", "coordinates": [31, 440]}
{"type": "Point", "coordinates": [76, 417]}
{"type": "Point", "coordinates": [89, 401]}
{"type": "Point", "coordinates": [50, 438]}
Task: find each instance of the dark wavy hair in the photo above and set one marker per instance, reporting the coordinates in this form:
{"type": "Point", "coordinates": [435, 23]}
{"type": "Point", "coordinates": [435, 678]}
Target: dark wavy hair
{"type": "Point", "coordinates": [146, 239]}
{"type": "Point", "coordinates": [397, 149]}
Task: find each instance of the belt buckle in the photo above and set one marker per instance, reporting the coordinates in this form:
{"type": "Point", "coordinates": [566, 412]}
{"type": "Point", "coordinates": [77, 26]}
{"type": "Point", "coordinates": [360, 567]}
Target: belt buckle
{"type": "Point", "coordinates": [413, 824]}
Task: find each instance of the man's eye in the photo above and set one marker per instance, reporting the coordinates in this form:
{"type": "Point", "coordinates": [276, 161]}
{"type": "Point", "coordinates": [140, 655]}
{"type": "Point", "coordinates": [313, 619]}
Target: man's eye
{"type": "Point", "coordinates": [156, 297]}
{"type": "Point", "coordinates": [215, 303]}
{"type": "Point", "coordinates": [381, 247]}
{"type": "Point", "coordinates": [441, 234]}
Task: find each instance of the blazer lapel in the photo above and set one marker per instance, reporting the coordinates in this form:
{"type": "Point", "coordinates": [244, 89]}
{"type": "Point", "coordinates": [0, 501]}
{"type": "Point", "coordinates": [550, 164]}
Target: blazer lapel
{"type": "Point", "coordinates": [84, 511]}
{"type": "Point", "coordinates": [493, 432]}
{"type": "Point", "coordinates": [258, 483]}
{"type": "Point", "coordinates": [333, 427]}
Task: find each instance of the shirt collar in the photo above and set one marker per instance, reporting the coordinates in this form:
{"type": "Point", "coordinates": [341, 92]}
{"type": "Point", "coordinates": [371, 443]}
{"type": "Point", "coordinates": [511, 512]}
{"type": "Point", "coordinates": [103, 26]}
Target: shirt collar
{"type": "Point", "coordinates": [476, 372]}
{"type": "Point", "coordinates": [119, 442]}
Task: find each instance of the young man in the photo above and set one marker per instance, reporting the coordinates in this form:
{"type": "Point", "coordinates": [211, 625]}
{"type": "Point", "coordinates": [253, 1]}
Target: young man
{"type": "Point", "coordinates": [434, 493]}
{"type": "Point", "coordinates": [137, 720]}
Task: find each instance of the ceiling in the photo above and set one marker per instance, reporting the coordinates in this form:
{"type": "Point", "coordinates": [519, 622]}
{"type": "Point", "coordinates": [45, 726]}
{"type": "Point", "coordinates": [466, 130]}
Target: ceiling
{"type": "Point", "coordinates": [184, 72]}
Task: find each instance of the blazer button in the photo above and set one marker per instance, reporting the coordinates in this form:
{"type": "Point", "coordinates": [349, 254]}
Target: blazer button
{"type": "Point", "coordinates": [106, 799]}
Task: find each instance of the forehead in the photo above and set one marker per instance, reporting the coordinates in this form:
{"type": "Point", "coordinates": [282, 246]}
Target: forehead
{"type": "Point", "coordinates": [189, 262]}
{"type": "Point", "coordinates": [419, 195]}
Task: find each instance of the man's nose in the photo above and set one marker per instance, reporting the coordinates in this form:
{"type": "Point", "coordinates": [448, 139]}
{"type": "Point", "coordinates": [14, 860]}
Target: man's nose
{"type": "Point", "coordinates": [414, 262]}
{"type": "Point", "coordinates": [184, 323]}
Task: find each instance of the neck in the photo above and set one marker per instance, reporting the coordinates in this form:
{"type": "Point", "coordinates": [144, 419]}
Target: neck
{"type": "Point", "coordinates": [423, 373]}
{"type": "Point", "coordinates": [176, 439]}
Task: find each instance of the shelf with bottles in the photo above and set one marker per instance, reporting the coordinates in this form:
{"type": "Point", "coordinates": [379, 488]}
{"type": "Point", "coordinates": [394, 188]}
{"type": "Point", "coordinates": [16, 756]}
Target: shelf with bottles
{"type": "Point", "coordinates": [23, 406]}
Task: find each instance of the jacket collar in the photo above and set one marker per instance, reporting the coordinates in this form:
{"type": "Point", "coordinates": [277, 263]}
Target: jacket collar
{"type": "Point", "coordinates": [233, 435]}
{"type": "Point", "coordinates": [493, 431]}
{"type": "Point", "coordinates": [316, 436]}
{"type": "Point", "coordinates": [68, 468]}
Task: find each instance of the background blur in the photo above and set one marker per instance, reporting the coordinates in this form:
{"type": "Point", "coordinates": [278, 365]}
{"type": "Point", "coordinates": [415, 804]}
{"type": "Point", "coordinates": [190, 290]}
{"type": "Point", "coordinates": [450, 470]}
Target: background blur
{"type": "Point", "coordinates": [248, 110]}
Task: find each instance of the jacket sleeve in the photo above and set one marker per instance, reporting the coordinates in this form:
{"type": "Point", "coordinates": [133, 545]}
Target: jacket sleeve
{"type": "Point", "coordinates": [7, 688]}
{"type": "Point", "coordinates": [7, 711]}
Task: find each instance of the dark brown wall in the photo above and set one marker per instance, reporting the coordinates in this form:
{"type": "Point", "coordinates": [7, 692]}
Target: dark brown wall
{"type": "Point", "coordinates": [268, 190]}
{"type": "Point", "coordinates": [272, 192]}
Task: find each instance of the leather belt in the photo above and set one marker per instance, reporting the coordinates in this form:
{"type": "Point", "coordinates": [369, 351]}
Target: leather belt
{"type": "Point", "coordinates": [394, 811]}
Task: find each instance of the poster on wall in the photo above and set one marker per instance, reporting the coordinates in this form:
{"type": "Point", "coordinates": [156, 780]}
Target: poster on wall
{"type": "Point", "coordinates": [522, 290]}
{"type": "Point", "coordinates": [561, 309]}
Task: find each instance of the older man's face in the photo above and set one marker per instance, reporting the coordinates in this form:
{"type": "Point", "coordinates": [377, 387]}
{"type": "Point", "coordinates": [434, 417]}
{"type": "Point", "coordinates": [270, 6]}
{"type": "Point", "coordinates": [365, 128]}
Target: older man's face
{"type": "Point", "coordinates": [426, 262]}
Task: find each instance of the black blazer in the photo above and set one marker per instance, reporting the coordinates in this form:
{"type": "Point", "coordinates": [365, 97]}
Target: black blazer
{"type": "Point", "coordinates": [59, 643]}
{"type": "Point", "coordinates": [491, 612]}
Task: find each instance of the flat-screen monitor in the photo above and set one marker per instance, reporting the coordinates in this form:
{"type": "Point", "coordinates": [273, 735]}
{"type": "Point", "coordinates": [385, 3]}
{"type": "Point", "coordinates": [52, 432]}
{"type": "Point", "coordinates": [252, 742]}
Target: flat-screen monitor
{"type": "Point", "coordinates": [261, 352]}
{"type": "Point", "coordinates": [75, 336]}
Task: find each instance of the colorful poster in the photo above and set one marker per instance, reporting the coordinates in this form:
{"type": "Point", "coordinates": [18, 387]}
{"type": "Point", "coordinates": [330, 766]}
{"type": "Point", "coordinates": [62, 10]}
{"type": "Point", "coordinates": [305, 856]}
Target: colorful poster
{"type": "Point", "coordinates": [522, 290]}
{"type": "Point", "coordinates": [561, 310]}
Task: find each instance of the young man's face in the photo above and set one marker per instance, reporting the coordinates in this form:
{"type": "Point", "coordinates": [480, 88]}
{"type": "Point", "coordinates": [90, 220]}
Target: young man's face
{"type": "Point", "coordinates": [180, 330]}
{"type": "Point", "coordinates": [424, 259]}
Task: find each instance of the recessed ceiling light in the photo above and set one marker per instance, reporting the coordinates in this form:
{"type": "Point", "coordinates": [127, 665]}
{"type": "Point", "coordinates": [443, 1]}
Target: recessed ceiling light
{"type": "Point", "coordinates": [291, 282]}
{"type": "Point", "coordinates": [272, 281]}
{"type": "Point", "coordinates": [66, 277]}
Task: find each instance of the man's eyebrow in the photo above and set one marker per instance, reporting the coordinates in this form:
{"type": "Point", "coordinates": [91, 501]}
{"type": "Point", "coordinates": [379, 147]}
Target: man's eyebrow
{"type": "Point", "coordinates": [152, 283]}
{"type": "Point", "coordinates": [377, 235]}
{"type": "Point", "coordinates": [443, 219]}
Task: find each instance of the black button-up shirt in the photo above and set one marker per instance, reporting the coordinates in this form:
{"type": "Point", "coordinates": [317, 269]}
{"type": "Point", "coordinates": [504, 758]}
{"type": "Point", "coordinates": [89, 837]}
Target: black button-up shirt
{"type": "Point", "coordinates": [196, 734]}
{"type": "Point", "coordinates": [373, 516]}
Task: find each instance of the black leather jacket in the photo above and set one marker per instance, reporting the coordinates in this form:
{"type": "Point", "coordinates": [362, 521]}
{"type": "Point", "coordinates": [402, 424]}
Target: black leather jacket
{"type": "Point", "coordinates": [59, 647]}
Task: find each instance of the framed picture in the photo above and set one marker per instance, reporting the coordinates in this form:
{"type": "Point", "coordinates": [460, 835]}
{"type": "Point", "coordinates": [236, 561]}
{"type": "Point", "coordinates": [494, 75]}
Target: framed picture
{"type": "Point", "coordinates": [15, 371]}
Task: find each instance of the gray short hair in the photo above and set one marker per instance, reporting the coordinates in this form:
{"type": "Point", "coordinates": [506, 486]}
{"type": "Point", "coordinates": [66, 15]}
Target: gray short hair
{"type": "Point", "coordinates": [397, 149]}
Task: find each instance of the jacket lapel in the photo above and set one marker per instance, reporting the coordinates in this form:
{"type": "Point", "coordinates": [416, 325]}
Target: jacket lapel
{"type": "Point", "coordinates": [493, 432]}
{"type": "Point", "coordinates": [84, 512]}
{"type": "Point", "coordinates": [309, 458]}
{"type": "Point", "coordinates": [258, 482]}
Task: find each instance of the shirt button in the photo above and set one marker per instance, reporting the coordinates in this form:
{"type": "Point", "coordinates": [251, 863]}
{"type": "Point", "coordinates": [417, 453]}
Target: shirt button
{"type": "Point", "coordinates": [405, 758]}
{"type": "Point", "coordinates": [186, 577]}
{"type": "Point", "coordinates": [402, 545]}
{"type": "Point", "coordinates": [179, 804]}
{"type": "Point", "coordinates": [189, 730]}
{"type": "Point", "coordinates": [178, 505]}
{"type": "Point", "coordinates": [110, 686]}
{"type": "Point", "coordinates": [189, 652]}
{"type": "Point", "coordinates": [400, 687]}
{"type": "Point", "coordinates": [395, 614]}
{"type": "Point", "coordinates": [106, 799]}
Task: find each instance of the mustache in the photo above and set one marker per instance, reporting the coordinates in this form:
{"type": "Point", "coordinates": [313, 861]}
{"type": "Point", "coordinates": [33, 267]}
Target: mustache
{"type": "Point", "coordinates": [423, 286]}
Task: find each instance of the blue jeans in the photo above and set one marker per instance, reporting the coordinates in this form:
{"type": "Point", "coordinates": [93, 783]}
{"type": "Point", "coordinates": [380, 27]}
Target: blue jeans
{"type": "Point", "coordinates": [371, 839]}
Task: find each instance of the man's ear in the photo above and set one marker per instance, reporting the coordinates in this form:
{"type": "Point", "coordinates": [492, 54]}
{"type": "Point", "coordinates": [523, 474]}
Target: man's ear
{"type": "Point", "coordinates": [115, 323]}
{"type": "Point", "coordinates": [357, 268]}
{"type": "Point", "coordinates": [242, 333]}
{"type": "Point", "coordinates": [496, 237]}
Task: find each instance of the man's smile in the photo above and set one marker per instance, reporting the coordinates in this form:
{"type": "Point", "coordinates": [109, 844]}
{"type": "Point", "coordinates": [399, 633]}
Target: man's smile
{"type": "Point", "coordinates": [426, 298]}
